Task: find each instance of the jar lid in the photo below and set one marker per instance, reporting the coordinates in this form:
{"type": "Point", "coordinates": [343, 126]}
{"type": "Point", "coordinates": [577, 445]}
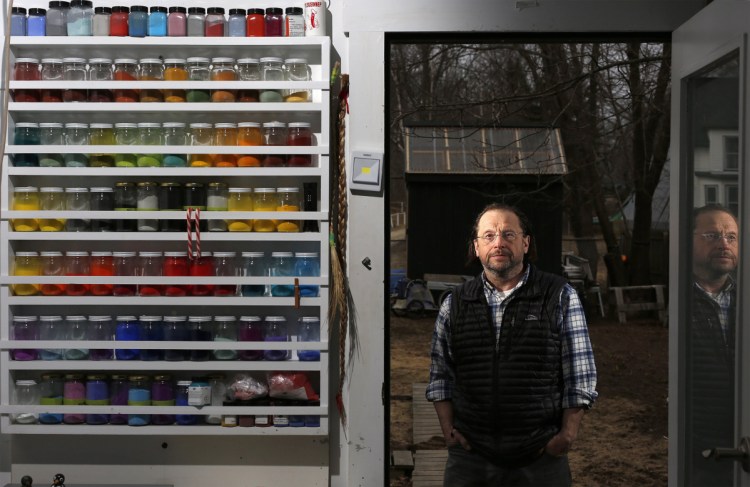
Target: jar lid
{"type": "Point", "coordinates": [173, 319]}
{"type": "Point", "coordinates": [51, 125]}
{"type": "Point", "coordinates": [102, 10]}
{"type": "Point", "coordinates": [170, 184]}
{"type": "Point", "coordinates": [287, 190]}
{"type": "Point", "coordinates": [282, 254]}
{"type": "Point", "coordinates": [27, 254]}
{"type": "Point", "coordinates": [256, 11]}
{"type": "Point", "coordinates": [76, 125]}
{"type": "Point", "coordinates": [225, 318]}
{"type": "Point", "coordinates": [236, 11]}
{"type": "Point", "coordinates": [101, 126]}
{"type": "Point", "coordinates": [73, 376]}
{"type": "Point", "coordinates": [51, 189]}
{"type": "Point", "coordinates": [138, 378]}
{"type": "Point", "coordinates": [149, 318]}
{"type": "Point", "coordinates": [215, 10]}
{"type": "Point", "coordinates": [120, 9]}
{"type": "Point", "coordinates": [159, 9]}
{"type": "Point", "coordinates": [222, 60]}
{"type": "Point", "coordinates": [125, 318]}
{"type": "Point", "coordinates": [184, 383]}
{"type": "Point", "coordinates": [240, 190]}
{"type": "Point", "coordinates": [26, 189]}
{"type": "Point", "coordinates": [203, 253]}
{"type": "Point", "coordinates": [96, 377]}
{"type": "Point", "coordinates": [74, 60]}
{"type": "Point", "coordinates": [306, 255]}
{"type": "Point", "coordinates": [125, 60]}
{"type": "Point", "coordinates": [197, 59]}
{"type": "Point", "coordinates": [196, 10]}
{"type": "Point", "coordinates": [59, 4]}
{"type": "Point", "coordinates": [75, 318]}
{"type": "Point", "coordinates": [225, 254]}
{"type": "Point", "coordinates": [25, 382]}
{"type": "Point", "coordinates": [225, 125]}
{"type": "Point", "coordinates": [199, 319]}
{"type": "Point", "coordinates": [76, 253]}
{"type": "Point", "coordinates": [52, 60]}
{"type": "Point", "coordinates": [177, 9]}
{"type": "Point", "coordinates": [270, 59]}
{"type": "Point", "coordinates": [138, 8]}
{"type": "Point", "coordinates": [123, 254]}
{"type": "Point", "coordinates": [253, 254]}
{"type": "Point", "coordinates": [102, 189]}
{"type": "Point", "coordinates": [194, 185]}
{"type": "Point", "coordinates": [217, 185]}
{"type": "Point", "coordinates": [98, 318]}
{"type": "Point", "coordinates": [50, 375]}
{"type": "Point", "coordinates": [295, 60]}
{"type": "Point", "coordinates": [175, 60]}
{"type": "Point", "coordinates": [76, 190]}
{"type": "Point", "coordinates": [294, 10]}
{"type": "Point", "coordinates": [51, 253]}
{"type": "Point", "coordinates": [101, 253]}
{"type": "Point", "coordinates": [175, 254]}
{"type": "Point", "coordinates": [18, 10]}
{"type": "Point", "coordinates": [249, 318]}
{"type": "Point", "coordinates": [81, 3]}
{"type": "Point", "coordinates": [274, 11]}
{"type": "Point", "coordinates": [249, 124]}
{"type": "Point", "coordinates": [100, 60]}
{"type": "Point", "coordinates": [163, 377]}
{"type": "Point", "coordinates": [309, 319]}
{"type": "Point", "coordinates": [24, 319]}
{"type": "Point", "coordinates": [149, 125]}
{"type": "Point", "coordinates": [125, 125]}
{"type": "Point", "coordinates": [247, 60]}
{"type": "Point", "coordinates": [274, 124]}
{"type": "Point", "coordinates": [301, 125]}
{"type": "Point", "coordinates": [200, 125]}
{"type": "Point", "coordinates": [147, 184]}
{"type": "Point", "coordinates": [150, 60]}
{"type": "Point", "coordinates": [149, 254]}
{"type": "Point", "coordinates": [29, 125]}
{"type": "Point", "coordinates": [265, 190]}
{"type": "Point", "coordinates": [118, 377]}
{"type": "Point", "coordinates": [275, 318]}
{"type": "Point", "coordinates": [50, 318]}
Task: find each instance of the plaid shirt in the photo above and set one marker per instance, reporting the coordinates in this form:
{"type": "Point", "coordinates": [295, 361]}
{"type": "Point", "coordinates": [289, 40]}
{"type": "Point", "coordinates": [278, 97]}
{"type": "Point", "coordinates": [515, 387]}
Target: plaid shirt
{"type": "Point", "coordinates": [578, 368]}
{"type": "Point", "coordinates": [724, 299]}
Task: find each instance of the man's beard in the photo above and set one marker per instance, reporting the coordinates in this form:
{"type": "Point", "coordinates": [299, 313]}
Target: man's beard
{"type": "Point", "coordinates": [504, 270]}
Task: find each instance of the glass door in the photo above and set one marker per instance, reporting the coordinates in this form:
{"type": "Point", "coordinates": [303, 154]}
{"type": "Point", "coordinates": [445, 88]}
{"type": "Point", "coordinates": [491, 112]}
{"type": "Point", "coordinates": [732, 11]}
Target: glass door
{"type": "Point", "coordinates": [709, 427]}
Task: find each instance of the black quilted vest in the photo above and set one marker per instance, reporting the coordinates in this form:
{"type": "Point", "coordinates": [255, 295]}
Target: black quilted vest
{"type": "Point", "coordinates": [507, 392]}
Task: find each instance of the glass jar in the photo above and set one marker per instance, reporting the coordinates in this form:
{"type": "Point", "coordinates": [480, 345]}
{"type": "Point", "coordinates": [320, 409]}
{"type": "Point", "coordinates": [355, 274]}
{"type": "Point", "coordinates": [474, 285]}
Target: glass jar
{"type": "Point", "coordinates": [118, 396]}
{"type": "Point", "coordinates": [248, 134]}
{"type": "Point", "coordinates": [223, 70]}
{"type": "Point", "coordinates": [51, 328]}
{"type": "Point", "coordinates": [97, 394]}
{"type": "Point", "coordinates": [240, 199]}
{"type": "Point", "coordinates": [102, 199]}
{"type": "Point", "coordinates": [289, 200]}
{"type": "Point", "coordinates": [125, 199]}
{"type": "Point", "coordinates": [150, 265]}
{"type": "Point", "coordinates": [294, 23]}
{"type": "Point", "coordinates": [102, 265]}
{"type": "Point", "coordinates": [127, 329]}
{"type": "Point", "coordinates": [78, 200]}
{"type": "Point", "coordinates": [199, 392]}
{"type": "Point", "coordinates": [307, 264]}
{"type": "Point", "coordinates": [152, 330]}
{"type": "Point", "coordinates": [225, 265]}
{"type": "Point", "coordinates": [51, 198]}
{"type": "Point", "coordinates": [195, 198]}
{"type": "Point", "coordinates": [126, 134]}
{"type": "Point", "coordinates": [52, 70]}
{"type": "Point", "coordinates": [299, 134]}
{"type": "Point", "coordinates": [138, 21]}
{"type": "Point", "coordinates": [26, 264]}
{"type": "Point", "coordinates": [152, 69]}
{"type": "Point", "coordinates": [101, 134]}
{"type": "Point", "coordinates": [275, 330]}
{"type": "Point", "coordinates": [181, 399]}
{"type": "Point", "coordinates": [217, 199]}
{"type": "Point", "coordinates": [218, 395]}
{"type": "Point", "coordinates": [196, 22]}
{"type": "Point", "coordinates": [118, 22]}
{"type": "Point", "coordinates": [100, 69]}
{"type": "Point", "coordinates": [162, 394]}
{"type": "Point", "coordinates": [26, 69]}
{"type": "Point", "coordinates": [24, 328]}
{"type": "Point", "coordinates": [176, 330]}
{"type": "Point", "coordinates": [200, 331]}
{"type": "Point", "coordinates": [51, 133]}
{"type": "Point", "coordinates": [80, 18]}
{"type": "Point", "coordinates": [77, 264]}
{"type": "Point", "coordinates": [201, 265]}
{"type": "Point", "coordinates": [175, 265]}
{"type": "Point", "coordinates": [225, 134]}
{"type": "Point", "coordinates": [296, 69]}
{"type": "Point", "coordinates": [76, 329]}
{"type": "Point", "coordinates": [26, 133]}
{"type": "Point", "coordinates": [264, 199]}
{"type": "Point", "coordinates": [177, 22]}
{"type": "Point", "coordinates": [76, 134]}
{"type": "Point", "coordinates": [125, 266]}
{"type": "Point", "coordinates": [198, 70]}
{"type": "Point", "coordinates": [274, 22]}
{"type": "Point", "coordinates": [126, 69]}
{"type": "Point", "coordinates": [250, 330]}
{"type": "Point", "coordinates": [174, 134]}
{"type": "Point", "coordinates": [248, 69]}
{"type": "Point", "coordinates": [271, 69]}
{"type": "Point", "coordinates": [74, 69]}
{"type": "Point", "coordinates": [171, 199]}
{"type": "Point", "coordinates": [282, 265]}
{"type": "Point", "coordinates": [225, 331]}
{"type": "Point", "coordinates": [25, 393]}
{"type": "Point", "coordinates": [139, 394]}
{"type": "Point", "coordinates": [57, 18]}
{"type": "Point", "coordinates": [214, 22]}
{"type": "Point", "coordinates": [25, 198]}
{"type": "Point", "coordinates": [201, 134]}
{"type": "Point", "coordinates": [51, 394]}
{"type": "Point", "coordinates": [74, 394]}
{"type": "Point", "coordinates": [52, 263]}
{"type": "Point", "coordinates": [150, 133]}
{"type": "Point", "coordinates": [309, 331]}
{"type": "Point", "coordinates": [175, 69]}
{"type": "Point", "coordinates": [157, 22]}
{"type": "Point", "coordinates": [254, 265]}
{"type": "Point", "coordinates": [101, 329]}
{"type": "Point", "coordinates": [148, 200]}
{"type": "Point", "coordinates": [255, 24]}
{"type": "Point", "coordinates": [102, 16]}
{"type": "Point", "coordinates": [236, 23]}
{"type": "Point", "coordinates": [274, 135]}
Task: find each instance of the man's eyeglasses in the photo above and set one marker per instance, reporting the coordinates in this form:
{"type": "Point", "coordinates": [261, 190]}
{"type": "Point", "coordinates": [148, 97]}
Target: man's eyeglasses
{"type": "Point", "coordinates": [714, 237]}
{"type": "Point", "coordinates": [507, 235]}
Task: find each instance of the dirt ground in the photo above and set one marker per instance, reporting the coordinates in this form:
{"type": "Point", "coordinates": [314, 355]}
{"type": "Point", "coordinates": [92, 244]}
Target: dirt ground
{"type": "Point", "coordinates": [623, 441]}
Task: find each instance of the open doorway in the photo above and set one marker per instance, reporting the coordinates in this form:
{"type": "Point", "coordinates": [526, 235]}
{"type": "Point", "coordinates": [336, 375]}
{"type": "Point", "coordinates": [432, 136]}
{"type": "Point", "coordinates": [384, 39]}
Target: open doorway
{"type": "Point", "coordinates": [575, 132]}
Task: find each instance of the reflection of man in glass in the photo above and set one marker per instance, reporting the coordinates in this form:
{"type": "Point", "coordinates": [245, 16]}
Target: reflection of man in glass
{"type": "Point", "coordinates": [711, 362]}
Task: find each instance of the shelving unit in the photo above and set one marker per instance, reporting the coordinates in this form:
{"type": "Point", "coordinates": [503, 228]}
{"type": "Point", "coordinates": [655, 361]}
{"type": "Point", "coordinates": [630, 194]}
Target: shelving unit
{"type": "Point", "coordinates": [316, 112]}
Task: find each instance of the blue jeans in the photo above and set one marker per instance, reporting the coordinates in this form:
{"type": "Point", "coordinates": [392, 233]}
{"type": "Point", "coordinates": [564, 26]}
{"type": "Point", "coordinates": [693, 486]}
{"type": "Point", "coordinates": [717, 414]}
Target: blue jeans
{"type": "Point", "coordinates": [468, 469]}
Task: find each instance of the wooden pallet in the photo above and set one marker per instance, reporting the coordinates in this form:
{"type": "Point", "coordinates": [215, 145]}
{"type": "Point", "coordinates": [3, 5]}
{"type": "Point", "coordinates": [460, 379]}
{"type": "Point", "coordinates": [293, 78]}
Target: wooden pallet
{"type": "Point", "coordinates": [429, 465]}
{"type": "Point", "coordinates": [639, 298]}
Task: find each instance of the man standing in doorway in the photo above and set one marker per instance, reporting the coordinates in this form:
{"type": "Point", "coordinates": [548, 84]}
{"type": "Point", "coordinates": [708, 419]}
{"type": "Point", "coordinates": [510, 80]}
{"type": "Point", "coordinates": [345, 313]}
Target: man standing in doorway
{"type": "Point", "coordinates": [512, 366]}
{"type": "Point", "coordinates": [711, 356]}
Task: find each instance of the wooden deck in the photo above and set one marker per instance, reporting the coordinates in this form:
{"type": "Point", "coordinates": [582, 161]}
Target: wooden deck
{"type": "Point", "coordinates": [429, 465]}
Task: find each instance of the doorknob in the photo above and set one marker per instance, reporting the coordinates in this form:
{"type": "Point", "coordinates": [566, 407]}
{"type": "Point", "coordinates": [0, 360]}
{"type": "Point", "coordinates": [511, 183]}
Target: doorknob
{"type": "Point", "coordinates": [740, 454]}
